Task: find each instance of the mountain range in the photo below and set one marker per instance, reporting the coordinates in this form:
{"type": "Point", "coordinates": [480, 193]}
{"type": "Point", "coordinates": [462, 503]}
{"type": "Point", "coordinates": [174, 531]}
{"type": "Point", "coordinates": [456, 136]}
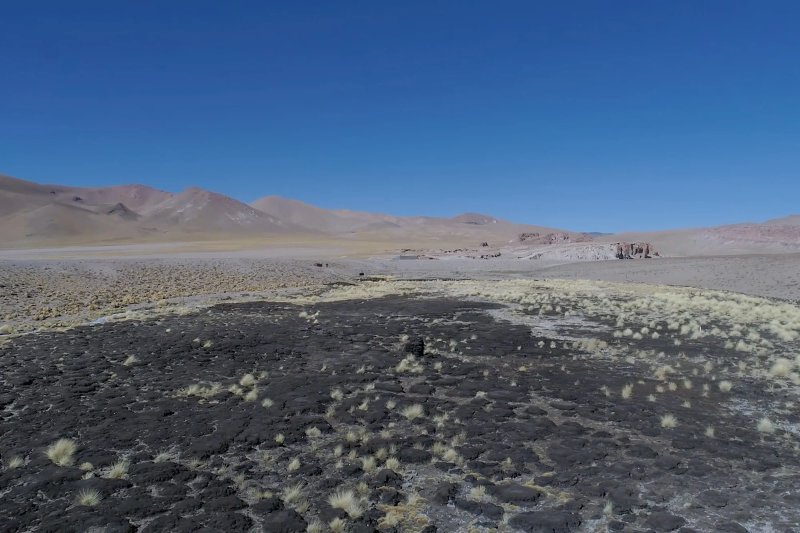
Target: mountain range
{"type": "Point", "coordinates": [33, 214]}
{"type": "Point", "coordinates": [56, 214]}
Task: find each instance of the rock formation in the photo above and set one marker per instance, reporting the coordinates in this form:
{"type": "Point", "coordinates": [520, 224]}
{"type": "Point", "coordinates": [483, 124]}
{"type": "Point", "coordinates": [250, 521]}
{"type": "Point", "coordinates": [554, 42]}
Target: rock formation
{"type": "Point", "coordinates": [635, 250]}
{"type": "Point", "coordinates": [554, 238]}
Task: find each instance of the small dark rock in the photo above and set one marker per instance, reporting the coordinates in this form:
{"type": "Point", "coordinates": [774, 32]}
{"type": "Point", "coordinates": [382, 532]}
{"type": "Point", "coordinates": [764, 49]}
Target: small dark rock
{"type": "Point", "coordinates": [664, 521]}
{"type": "Point", "coordinates": [489, 510]}
{"type": "Point", "coordinates": [267, 505]}
{"type": "Point", "coordinates": [284, 522]}
{"type": "Point", "coordinates": [515, 493]}
{"type": "Point", "coordinates": [414, 456]}
{"type": "Point", "coordinates": [415, 346]}
{"type": "Point", "coordinates": [444, 492]}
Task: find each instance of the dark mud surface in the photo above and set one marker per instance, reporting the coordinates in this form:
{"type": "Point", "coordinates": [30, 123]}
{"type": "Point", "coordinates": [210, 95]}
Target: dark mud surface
{"type": "Point", "coordinates": [491, 428]}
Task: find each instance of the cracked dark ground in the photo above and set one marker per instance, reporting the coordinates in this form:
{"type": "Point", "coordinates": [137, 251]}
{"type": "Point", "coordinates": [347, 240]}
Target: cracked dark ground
{"type": "Point", "coordinates": [522, 416]}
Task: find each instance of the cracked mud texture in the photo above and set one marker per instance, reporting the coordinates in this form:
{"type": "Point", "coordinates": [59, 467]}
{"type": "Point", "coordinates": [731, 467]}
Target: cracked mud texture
{"type": "Point", "coordinates": [496, 426]}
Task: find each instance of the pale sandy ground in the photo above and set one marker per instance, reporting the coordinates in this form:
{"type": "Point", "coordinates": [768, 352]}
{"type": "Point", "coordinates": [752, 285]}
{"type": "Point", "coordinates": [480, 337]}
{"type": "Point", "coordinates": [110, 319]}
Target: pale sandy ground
{"type": "Point", "coordinates": [58, 287]}
{"type": "Point", "coordinates": [183, 250]}
{"type": "Point", "coordinates": [773, 276]}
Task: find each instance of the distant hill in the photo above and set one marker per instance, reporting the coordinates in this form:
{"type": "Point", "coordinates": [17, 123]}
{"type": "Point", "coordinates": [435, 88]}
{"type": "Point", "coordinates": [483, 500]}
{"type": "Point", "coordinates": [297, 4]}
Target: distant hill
{"type": "Point", "coordinates": [32, 213]}
{"type": "Point", "coordinates": [51, 215]}
{"type": "Point", "coordinates": [773, 236]}
{"type": "Point", "coordinates": [791, 220]}
{"type": "Point", "coordinates": [472, 228]}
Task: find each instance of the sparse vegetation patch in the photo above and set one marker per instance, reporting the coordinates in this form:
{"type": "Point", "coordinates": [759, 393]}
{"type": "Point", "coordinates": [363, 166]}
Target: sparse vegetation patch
{"type": "Point", "coordinates": [566, 405]}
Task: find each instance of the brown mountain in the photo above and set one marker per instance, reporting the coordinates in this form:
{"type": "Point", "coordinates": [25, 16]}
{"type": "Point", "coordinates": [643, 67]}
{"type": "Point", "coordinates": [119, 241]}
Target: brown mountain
{"type": "Point", "coordinates": [197, 210]}
{"type": "Point", "coordinates": [320, 220]}
{"type": "Point", "coordinates": [138, 198]}
{"type": "Point", "coordinates": [468, 228]}
{"type": "Point", "coordinates": [49, 215]}
{"type": "Point", "coordinates": [56, 214]}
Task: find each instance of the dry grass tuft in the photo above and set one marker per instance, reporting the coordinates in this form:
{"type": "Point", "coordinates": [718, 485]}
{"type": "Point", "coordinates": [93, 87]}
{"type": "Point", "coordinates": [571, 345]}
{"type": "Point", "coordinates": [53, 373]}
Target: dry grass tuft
{"type": "Point", "coordinates": [252, 395]}
{"type": "Point", "coordinates": [15, 462]}
{"type": "Point", "coordinates": [118, 470]}
{"type": "Point", "coordinates": [452, 456]}
{"type": "Point", "coordinates": [393, 464]}
{"type": "Point", "coordinates": [404, 516]}
{"type": "Point", "coordinates": [608, 509]}
{"type": "Point", "coordinates": [413, 412]}
{"type": "Point", "coordinates": [765, 425]}
{"type": "Point", "coordinates": [338, 525]}
{"type": "Point", "coordinates": [88, 497]}
{"type": "Point", "coordinates": [62, 452]}
{"type": "Point", "coordinates": [391, 519]}
{"type": "Point", "coordinates": [368, 464]}
{"type": "Point", "coordinates": [293, 494]}
{"type": "Point", "coordinates": [347, 501]}
{"type": "Point", "coordinates": [201, 391]}
{"type": "Point", "coordinates": [669, 421]}
{"type": "Point", "coordinates": [477, 493]}
{"type": "Point", "coordinates": [165, 456]}
{"type": "Point", "coordinates": [627, 391]}
{"type": "Point", "coordinates": [409, 364]}
{"type": "Point", "coordinates": [781, 368]}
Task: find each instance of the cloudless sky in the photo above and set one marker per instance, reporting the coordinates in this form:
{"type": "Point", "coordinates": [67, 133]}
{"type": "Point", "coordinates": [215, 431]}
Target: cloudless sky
{"type": "Point", "coordinates": [587, 115]}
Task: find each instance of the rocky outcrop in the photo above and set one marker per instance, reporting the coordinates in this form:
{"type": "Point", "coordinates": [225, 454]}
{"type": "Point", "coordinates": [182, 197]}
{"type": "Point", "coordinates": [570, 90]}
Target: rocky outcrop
{"type": "Point", "coordinates": [554, 238]}
{"type": "Point", "coordinates": [121, 210]}
{"type": "Point", "coordinates": [635, 250]}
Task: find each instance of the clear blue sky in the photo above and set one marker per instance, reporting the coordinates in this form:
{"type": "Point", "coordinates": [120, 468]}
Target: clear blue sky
{"type": "Point", "coordinates": [590, 115]}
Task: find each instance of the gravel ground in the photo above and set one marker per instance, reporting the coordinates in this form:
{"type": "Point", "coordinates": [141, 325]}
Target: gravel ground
{"type": "Point", "coordinates": [241, 393]}
{"type": "Point", "coordinates": [434, 406]}
{"type": "Point", "coordinates": [772, 276]}
{"type": "Point", "coordinates": [36, 293]}
{"type": "Point", "coordinates": [57, 293]}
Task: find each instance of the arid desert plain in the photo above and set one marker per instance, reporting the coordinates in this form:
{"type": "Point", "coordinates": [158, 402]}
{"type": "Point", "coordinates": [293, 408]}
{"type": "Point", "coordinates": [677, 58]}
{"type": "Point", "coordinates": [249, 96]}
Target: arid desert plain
{"type": "Point", "coordinates": [337, 371]}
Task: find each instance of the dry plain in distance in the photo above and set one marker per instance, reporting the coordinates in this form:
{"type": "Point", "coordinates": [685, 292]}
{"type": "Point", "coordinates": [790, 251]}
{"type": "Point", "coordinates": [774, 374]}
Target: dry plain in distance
{"type": "Point", "coordinates": [270, 394]}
